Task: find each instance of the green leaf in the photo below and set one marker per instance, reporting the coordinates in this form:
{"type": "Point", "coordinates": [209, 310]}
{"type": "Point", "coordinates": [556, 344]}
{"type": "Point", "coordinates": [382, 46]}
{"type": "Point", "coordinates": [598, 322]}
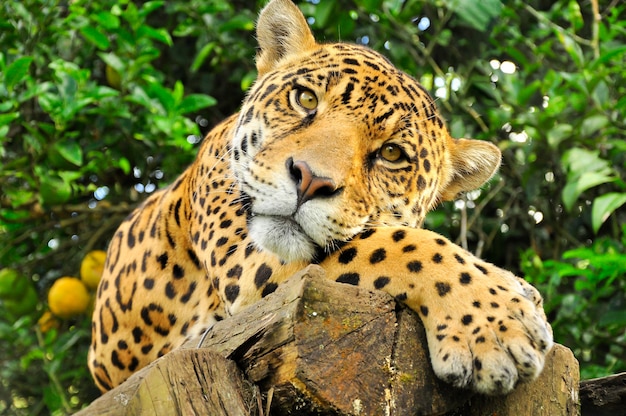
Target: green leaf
{"type": "Point", "coordinates": [572, 47]}
{"type": "Point", "coordinates": [113, 61]}
{"type": "Point", "coordinates": [93, 35]}
{"type": "Point", "coordinates": [372, 6]}
{"type": "Point", "coordinates": [49, 102]}
{"type": "Point", "coordinates": [164, 95]}
{"type": "Point", "coordinates": [601, 95]}
{"type": "Point", "coordinates": [150, 6]}
{"type": "Point", "coordinates": [587, 180]}
{"type": "Point", "coordinates": [202, 55]}
{"type": "Point", "coordinates": [6, 106]}
{"type": "Point", "coordinates": [323, 11]}
{"type": "Point", "coordinates": [239, 22]}
{"type": "Point", "coordinates": [477, 14]}
{"type": "Point", "coordinates": [195, 102]}
{"type": "Point", "coordinates": [17, 71]}
{"type": "Point", "coordinates": [160, 35]}
{"type": "Point", "coordinates": [606, 57]}
{"type": "Point", "coordinates": [139, 96]}
{"type": "Point", "coordinates": [8, 118]}
{"type": "Point", "coordinates": [247, 80]}
{"type": "Point", "coordinates": [107, 20]}
{"type": "Point", "coordinates": [124, 164]}
{"type": "Point", "coordinates": [609, 318]}
{"type": "Point", "coordinates": [578, 160]}
{"type": "Point", "coordinates": [52, 398]}
{"type": "Point", "coordinates": [18, 197]}
{"type": "Point", "coordinates": [54, 190]}
{"type": "Point", "coordinates": [573, 15]}
{"type": "Point", "coordinates": [178, 92]}
{"type": "Point", "coordinates": [557, 134]}
{"type": "Point", "coordinates": [604, 206]}
{"type": "Point", "coordinates": [592, 124]}
{"type": "Point", "coordinates": [70, 151]}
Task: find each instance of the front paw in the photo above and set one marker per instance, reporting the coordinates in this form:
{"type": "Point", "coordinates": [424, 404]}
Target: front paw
{"type": "Point", "coordinates": [502, 339]}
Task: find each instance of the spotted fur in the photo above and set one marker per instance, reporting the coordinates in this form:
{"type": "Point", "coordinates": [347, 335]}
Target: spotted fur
{"type": "Point", "coordinates": [335, 158]}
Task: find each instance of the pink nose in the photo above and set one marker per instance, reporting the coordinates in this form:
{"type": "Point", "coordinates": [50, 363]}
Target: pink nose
{"type": "Point", "coordinates": [309, 185]}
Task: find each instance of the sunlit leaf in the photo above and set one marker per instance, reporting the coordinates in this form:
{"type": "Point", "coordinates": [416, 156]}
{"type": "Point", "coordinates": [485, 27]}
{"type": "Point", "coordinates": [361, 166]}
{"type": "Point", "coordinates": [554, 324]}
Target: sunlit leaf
{"type": "Point", "coordinates": [594, 123]}
{"type": "Point", "coordinates": [578, 160]}
{"type": "Point", "coordinates": [202, 55]}
{"type": "Point", "coordinates": [95, 36]}
{"type": "Point", "coordinates": [247, 80]}
{"type": "Point", "coordinates": [150, 6]}
{"type": "Point", "coordinates": [8, 118]}
{"type": "Point", "coordinates": [70, 151]}
{"type": "Point", "coordinates": [113, 61]}
{"type": "Point", "coordinates": [124, 164]}
{"type": "Point", "coordinates": [160, 35]}
{"type": "Point", "coordinates": [572, 47]}
{"type": "Point", "coordinates": [239, 22]}
{"type": "Point", "coordinates": [604, 206]}
{"type": "Point", "coordinates": [107, 20]}
{"type": "Point", "coordinates": [195, 102]}
{"type": "Point", "coordinates": [587, 180]}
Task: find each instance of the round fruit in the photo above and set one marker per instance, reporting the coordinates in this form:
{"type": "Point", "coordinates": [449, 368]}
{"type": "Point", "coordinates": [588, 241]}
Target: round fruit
{"type": "Point", "coordinates": [13, 286]}
{"type": "Point", "coordinates": [24, 305]}
{"type": "Point", "coordinates": [91, 268]}
{"type": "Point", "coordinates": [113, 77]}
{"type": "Point", "coordinates": [68, 297]}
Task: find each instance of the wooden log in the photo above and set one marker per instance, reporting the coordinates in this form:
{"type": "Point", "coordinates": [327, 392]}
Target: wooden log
{"type": "Point", "coordinates": [604, 396]}
{"type": "Point", "coordinates": [183, 382]}
{"type": "Point", "coordinates": [320, 347]}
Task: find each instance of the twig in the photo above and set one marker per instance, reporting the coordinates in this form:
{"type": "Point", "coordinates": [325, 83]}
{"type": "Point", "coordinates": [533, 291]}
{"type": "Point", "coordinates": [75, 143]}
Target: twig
{"type": "Point", "coordinates": [595, 29]}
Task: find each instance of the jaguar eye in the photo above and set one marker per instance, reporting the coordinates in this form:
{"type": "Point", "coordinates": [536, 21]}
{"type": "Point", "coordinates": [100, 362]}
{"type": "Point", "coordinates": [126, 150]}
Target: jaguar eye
{"type": "Point", "coordinates": [391, 152]}
{"type": "Point", "coordinates": [306, 99]}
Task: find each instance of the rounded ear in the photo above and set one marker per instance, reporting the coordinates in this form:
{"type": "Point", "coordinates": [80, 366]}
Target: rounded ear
{"type": "Point", "coordinates": [472, 163]}
{"type": "Point", "coordinates": [282, 32]}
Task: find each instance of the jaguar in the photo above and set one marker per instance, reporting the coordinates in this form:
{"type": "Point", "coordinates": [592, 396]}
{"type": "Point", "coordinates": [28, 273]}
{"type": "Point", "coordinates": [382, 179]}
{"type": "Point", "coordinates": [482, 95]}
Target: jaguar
{"type": "Point", "coordinates": [334, 158]}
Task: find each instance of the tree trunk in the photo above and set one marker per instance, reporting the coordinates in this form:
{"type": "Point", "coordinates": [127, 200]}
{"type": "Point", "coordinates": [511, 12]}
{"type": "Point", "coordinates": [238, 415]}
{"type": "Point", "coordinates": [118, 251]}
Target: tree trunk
{"type": "Point", "coordinates": [316, 347]}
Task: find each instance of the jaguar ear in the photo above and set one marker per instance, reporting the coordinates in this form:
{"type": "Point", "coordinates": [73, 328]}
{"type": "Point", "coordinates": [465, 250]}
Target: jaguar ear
{"type": "Point", "coordinates": [282, 32]}
{"type": "Point", "coordinates": [472, 163]}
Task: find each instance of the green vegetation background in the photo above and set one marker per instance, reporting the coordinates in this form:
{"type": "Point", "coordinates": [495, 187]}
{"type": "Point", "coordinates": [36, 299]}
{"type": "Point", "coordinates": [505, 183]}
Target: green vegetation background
{"type": "Point", "coordinates": [103, 102]}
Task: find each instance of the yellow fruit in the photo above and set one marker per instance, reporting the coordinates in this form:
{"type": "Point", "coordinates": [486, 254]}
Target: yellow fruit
{"type": "Point", "coordinates": [68, 297]}
{"type": "Point", "coordinates": [91, 268]}
{"type": "Point", "coordinates": [113, 77]}
{"type": "Point", "coordinates": [47, 322]}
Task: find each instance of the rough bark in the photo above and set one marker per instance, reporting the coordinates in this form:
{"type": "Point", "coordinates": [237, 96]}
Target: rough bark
{"type": "Point", "coordinates": [324, 348]}
{"type": "Point", "coordinates": [184, 382]}
{"type": "Point", "coordinates": [604, 396]}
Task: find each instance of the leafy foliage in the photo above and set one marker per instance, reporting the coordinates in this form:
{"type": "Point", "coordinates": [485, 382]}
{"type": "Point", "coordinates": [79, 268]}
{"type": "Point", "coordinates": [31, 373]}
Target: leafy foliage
{"type": "Point", "coordinates": [102, 103]}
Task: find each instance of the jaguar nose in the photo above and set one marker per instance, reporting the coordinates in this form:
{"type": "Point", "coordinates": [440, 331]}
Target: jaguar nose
{"type": "Point", "coordinates": [309, 185]}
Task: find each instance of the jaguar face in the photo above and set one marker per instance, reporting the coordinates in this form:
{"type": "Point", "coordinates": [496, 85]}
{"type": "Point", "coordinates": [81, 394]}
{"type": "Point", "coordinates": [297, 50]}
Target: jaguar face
{"type": "Point", "coordinates": [321, 154]}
